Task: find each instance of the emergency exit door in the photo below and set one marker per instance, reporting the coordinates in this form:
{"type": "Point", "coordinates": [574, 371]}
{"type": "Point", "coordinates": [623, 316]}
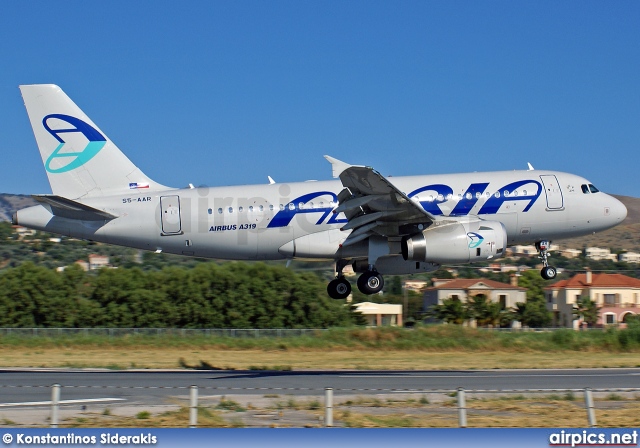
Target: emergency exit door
{"type": "Point", "coordinates": [170, 215]}
{"type": "Point", "coordinates": [552, 189]}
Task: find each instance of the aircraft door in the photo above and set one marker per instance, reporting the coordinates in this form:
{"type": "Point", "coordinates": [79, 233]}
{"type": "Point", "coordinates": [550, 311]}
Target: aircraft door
{"type": "Point", "coordinates": [552, 189]}
{"type": "Point", "coordinates": [170, 215]}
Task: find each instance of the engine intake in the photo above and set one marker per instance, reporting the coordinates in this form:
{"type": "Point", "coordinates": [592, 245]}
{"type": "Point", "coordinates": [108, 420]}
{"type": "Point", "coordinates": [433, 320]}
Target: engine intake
{"type": "Point", "coordinates": [460, 242]}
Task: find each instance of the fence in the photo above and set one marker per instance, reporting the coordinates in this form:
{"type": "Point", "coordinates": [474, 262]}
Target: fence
{"type": "Point", "coordinates": [327, 417]}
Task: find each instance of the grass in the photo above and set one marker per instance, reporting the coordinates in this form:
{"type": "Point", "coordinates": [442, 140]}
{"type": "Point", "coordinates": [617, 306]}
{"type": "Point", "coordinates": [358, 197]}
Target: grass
{"type": "Point", "coordinates": [534, 410]}
{"type": "Point", "coordinates": [518, 411]}
{"type": "Point", "coordinates": [433, 347]}
{"type": "Point", "coordinates": [207, 418]}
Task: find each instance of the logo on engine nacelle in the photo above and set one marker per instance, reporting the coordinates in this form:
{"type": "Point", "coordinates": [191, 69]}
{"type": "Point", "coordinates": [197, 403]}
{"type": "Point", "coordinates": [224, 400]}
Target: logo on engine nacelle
{"type": "Point", "coordinates": [476, 239]}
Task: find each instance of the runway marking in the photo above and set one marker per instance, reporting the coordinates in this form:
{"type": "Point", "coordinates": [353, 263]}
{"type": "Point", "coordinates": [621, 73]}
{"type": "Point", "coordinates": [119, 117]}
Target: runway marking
{"type": "Point", "coordinates": [48, 403]}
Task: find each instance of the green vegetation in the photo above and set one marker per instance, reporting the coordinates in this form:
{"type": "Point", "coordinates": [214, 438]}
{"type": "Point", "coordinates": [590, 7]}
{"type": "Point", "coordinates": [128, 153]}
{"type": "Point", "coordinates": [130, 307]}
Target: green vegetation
{"type": "Point", "coordinates": [232, 295]}
{"type": "Point", "coordinates": [432, 338]}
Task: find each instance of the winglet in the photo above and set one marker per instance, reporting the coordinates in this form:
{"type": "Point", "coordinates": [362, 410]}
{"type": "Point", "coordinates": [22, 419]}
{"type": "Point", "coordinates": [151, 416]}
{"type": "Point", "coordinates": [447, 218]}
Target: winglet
{"type": "Point", "coordinates": [530, 167]}
{"type": "Point", "coordinates": [338, 166]}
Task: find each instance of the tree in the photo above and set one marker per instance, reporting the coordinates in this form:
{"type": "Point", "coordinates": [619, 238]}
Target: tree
{"type": "Point", "coordinates": [451, 311]}
{"type": "Point", "coordinates": [587, 310]}
{"type": "Point", "coordinates": [532, 314]}
{"type": "Point", "coordinates": [484, 311]}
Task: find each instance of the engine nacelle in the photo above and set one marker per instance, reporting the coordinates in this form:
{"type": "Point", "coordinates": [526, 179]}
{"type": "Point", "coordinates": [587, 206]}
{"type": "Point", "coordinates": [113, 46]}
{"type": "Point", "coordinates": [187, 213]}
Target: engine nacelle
{"type": "Point", "coordinates": [459, 242]}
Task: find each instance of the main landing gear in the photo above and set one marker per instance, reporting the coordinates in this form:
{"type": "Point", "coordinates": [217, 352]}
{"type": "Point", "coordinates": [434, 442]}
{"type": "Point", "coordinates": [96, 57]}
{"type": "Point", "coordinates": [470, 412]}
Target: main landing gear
{"type": "Point", "coordinates": [339, 288]}
{"type": "Point", "coordinates": [369, 282]}
{"type": "Point", "coordinates": [547, 272]}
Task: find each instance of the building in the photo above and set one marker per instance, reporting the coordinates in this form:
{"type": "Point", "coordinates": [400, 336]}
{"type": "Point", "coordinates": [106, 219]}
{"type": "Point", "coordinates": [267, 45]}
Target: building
{"type": "Point", "coordinates": [379, 314]}
{"type": "Point", "coordinates": [23, 231]}
{"type": "Point", "coordinates": [630, 257]}
{"type": "Point", "coordinates": [618, 296]}
{"type": "Point", "coordinates": [528, 251]}
{"type": "Point", "coordinates": [570, 253]}
{"type": "Point", "coordinates": [98, 261]}
{"type": "Point", "coordinates": [463, 289]}
{"type": "Point", "coordinates": [415, 285]}
{"type": "Point", "coordinates": [598, 253]}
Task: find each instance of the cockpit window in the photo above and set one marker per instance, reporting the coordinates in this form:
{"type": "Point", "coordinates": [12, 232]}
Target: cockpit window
{"type": "Point", "coordinates": [585, 189]}
{"type": "Point", "coordinates": [593, 189]}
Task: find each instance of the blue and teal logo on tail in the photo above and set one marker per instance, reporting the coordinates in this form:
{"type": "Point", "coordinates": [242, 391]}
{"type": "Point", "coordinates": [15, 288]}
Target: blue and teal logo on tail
{"type": "Point", "coordinates": [75, 159]}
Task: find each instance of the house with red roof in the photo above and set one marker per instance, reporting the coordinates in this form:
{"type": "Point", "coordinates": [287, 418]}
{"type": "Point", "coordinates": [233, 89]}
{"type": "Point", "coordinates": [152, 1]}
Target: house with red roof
{"type": "Point", "coordinates": [463, 289]}
{"type": "Point", "coordinates": [618, 296]}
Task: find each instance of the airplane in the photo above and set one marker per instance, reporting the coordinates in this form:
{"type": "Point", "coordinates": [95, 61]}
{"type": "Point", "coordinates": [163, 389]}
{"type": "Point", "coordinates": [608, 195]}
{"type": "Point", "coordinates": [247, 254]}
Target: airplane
{"type": "Point", "coordinates": [379, 225]}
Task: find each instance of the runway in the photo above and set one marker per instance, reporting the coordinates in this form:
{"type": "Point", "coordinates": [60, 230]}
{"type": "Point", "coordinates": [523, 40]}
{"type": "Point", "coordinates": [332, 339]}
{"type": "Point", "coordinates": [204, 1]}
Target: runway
{"type": "Point", "coordinates": [19, 386]}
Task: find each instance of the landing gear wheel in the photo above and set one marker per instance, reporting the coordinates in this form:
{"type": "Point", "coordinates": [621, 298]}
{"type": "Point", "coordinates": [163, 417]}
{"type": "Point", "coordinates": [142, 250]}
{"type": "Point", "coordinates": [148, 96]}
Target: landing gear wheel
{"type": "Point", "coordinates": [370, 283]}
{"type": "Point", "coordinates": [339, 288]}
{"type": "Point", "coordinates": [548, 272]}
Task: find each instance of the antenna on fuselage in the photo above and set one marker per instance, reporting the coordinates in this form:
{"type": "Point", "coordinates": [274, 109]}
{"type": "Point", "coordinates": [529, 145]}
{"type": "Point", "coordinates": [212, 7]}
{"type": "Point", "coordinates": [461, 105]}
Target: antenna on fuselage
{"type": "Point", "coordinates": [271, 181]}
{"type": "Point", "coordinates": [530, 167]}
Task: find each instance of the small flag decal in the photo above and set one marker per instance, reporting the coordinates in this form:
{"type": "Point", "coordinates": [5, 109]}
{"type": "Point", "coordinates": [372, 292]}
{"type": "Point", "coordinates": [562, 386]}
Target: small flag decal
{"type": "Point", "coordinates": [136, 185]}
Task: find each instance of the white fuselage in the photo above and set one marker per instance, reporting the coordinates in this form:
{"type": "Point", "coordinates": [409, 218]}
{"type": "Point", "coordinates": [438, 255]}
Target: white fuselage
{"type": "Point", "coordinates": [295, 220]}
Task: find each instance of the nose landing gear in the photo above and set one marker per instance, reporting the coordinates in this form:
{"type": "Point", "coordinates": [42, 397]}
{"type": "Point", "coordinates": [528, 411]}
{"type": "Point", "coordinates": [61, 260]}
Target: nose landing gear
{"type": "Point", "coordinates": [547, 272]}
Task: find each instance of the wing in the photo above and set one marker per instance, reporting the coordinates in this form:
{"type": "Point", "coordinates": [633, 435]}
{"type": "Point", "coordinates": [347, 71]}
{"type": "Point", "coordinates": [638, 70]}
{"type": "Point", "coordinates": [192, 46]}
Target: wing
{"type": "Point", "coordinates": [374, 206]}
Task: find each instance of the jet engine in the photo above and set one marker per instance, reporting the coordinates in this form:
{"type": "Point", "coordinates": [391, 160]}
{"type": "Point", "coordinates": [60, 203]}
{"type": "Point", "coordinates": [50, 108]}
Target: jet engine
{"type": "Point", "coordinates": [457, 242]}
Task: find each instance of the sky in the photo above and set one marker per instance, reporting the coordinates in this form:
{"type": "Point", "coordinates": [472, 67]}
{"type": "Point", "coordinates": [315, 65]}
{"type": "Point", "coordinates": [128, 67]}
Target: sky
{"type": "Point", "coordinates": [228, 92]}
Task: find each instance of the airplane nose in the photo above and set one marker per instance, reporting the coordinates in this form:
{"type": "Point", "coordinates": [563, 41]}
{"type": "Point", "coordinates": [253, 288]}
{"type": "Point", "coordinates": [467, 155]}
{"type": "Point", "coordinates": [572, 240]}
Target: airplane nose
{"type": "Point", "coordinates": [618, 210]}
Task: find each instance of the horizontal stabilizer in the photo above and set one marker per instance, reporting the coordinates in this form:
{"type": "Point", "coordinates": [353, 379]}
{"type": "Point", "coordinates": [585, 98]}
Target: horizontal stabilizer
{"type": "Point", "coordinates": [66, 208]}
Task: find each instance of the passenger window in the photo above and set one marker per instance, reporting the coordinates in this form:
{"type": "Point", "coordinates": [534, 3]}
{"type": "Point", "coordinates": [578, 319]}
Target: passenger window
{"type": "Point", "coordinates": [271, 207]}
{"type": "Point", "coordinates": [251, 208]}
{"type": "Point", "coordinates": [585, 189]}
{"type": "Point", "coordinates": [593, 189]}
{"type": "Point", "coordinates": [261, 208]}
{"type": "Point", "coordinates": [291, 206]}
{"type": "Point", "coordinates": [210, 211]}
{"type": "Point", "coordinates": [220, 211]}
{"type": "Point", "coordinates": [281, 207]}
{"type": "Point", "coordinates": [240, 209]}
{"type": "Point", "coordinates": [230, 209]}
{"type": "Point", "coordinates": [301, 205]}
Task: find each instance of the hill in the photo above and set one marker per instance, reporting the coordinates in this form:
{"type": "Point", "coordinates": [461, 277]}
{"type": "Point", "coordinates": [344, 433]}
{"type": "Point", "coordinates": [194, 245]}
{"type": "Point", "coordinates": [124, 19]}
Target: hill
{"type": "Point", "coordinates": [9, 203]}
{"type": "Point", "coordinates": [625, 237]}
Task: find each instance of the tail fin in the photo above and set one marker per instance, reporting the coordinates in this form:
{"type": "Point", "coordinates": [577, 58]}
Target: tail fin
{"type": "Point", "coordinates": [79, 159]}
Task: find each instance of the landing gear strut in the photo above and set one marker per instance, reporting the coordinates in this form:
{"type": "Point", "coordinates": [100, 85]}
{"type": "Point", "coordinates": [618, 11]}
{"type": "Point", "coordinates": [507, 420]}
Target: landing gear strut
{"type": "Point", "coordinates": [547, 272]}
{"type": "Point", "coordinates": [339, 288]}
{"type": "Point", "coordinates": [370, 282]}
